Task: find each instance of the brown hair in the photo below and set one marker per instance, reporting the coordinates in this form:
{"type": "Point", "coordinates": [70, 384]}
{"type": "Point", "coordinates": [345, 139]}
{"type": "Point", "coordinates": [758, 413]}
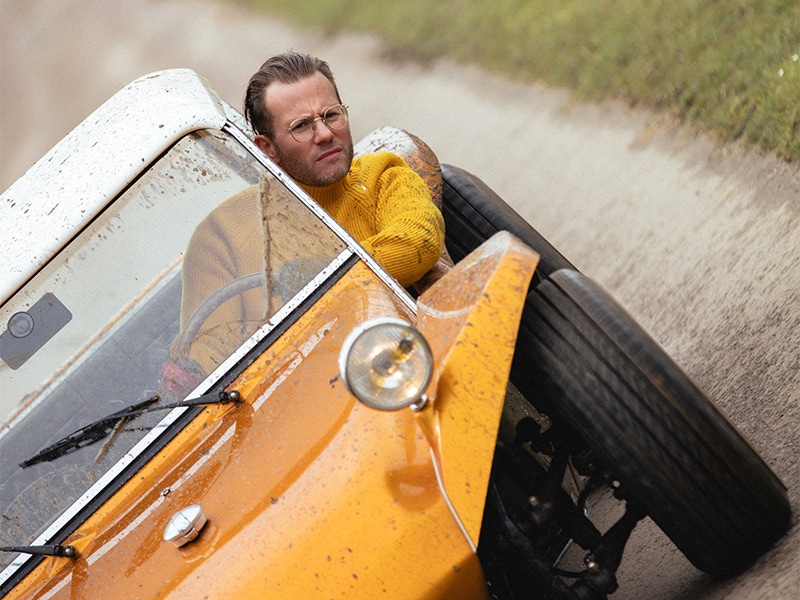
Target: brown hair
{"type": "Point", "coordinates": [284, 68]}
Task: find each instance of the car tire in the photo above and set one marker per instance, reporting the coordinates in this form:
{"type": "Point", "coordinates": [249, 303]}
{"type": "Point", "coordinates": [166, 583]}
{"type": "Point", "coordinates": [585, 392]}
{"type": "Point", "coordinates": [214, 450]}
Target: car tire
{"type": "Point", "coordinates": [582, 359]}
{"type": "Point", "coordinates": [654, 431]}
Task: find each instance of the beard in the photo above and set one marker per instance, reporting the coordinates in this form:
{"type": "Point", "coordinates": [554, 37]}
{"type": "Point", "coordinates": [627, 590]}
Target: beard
{"type": "Point", "coordinates": [308, 172]}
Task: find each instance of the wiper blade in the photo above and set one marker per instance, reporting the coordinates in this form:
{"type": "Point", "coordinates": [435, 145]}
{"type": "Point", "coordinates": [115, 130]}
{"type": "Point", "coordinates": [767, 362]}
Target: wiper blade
{"type": "Point", "coordinates": [49, 550]}
{"type": "Point", "coordinates": [96, 431]}
{"type": "Point", "coordinates": [89, 434]}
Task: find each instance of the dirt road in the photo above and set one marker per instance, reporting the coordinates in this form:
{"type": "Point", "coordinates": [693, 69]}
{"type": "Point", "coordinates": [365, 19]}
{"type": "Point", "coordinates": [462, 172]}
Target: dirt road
{"type": "Point", "coordinates": [700, 243]}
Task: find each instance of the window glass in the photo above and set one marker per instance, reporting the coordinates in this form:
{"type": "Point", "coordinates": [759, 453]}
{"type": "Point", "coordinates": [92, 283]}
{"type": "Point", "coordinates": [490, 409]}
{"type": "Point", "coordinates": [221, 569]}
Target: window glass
{"type": "Point", "coordinates": [148, 299]}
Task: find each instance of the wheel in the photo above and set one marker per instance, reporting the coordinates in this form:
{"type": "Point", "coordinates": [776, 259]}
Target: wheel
{"type": "Point", "coordinates": [473, 213]}
{"type": "Point", "coordinates": [581, 358]}
{"type": "Point", "coordinates": [676, 456]}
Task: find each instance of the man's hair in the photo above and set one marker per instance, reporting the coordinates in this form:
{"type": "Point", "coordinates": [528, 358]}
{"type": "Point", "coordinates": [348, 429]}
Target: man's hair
{"type": "Point", "coordinates": [284, 68]}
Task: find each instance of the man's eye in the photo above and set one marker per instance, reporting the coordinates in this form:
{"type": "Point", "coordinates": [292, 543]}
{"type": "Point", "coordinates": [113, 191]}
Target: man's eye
{"type": "Point", "coordinates": [333, 115]}
{"type": "Point", "coordinates": [301, 126]}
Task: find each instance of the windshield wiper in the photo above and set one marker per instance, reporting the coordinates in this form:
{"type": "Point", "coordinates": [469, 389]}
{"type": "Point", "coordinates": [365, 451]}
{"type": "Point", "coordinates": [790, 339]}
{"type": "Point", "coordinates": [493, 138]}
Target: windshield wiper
{"type": "Point", "coordinates": [49, 550]}
{"type": "Point", "coordinates": [96, 431]}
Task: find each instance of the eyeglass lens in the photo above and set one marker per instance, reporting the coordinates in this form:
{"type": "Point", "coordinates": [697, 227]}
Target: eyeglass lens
{"type": "Point", "coordinates": [334, 117]}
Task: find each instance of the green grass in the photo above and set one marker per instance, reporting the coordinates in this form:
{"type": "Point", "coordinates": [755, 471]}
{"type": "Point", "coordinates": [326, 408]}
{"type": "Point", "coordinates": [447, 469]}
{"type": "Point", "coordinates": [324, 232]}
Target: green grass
{"type": "Point", "coordinates": [730, 67]}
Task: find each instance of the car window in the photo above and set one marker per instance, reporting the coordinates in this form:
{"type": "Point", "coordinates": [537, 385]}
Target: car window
{"type": "Point", "coordinates": [146, 300]}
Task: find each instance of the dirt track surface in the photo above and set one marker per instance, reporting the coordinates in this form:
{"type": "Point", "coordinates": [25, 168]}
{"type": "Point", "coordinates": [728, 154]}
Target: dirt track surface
{"type": "Point", "coordinates": [699, 242]}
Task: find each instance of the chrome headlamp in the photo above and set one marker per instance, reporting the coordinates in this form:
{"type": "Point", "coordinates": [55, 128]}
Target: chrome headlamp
{"type": "Point", "coordinates": [387, 364]}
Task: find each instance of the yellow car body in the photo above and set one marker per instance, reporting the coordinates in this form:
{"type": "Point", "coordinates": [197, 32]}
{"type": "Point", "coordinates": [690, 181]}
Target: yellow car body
{"type": "Point", "coordinates": [304, 492]}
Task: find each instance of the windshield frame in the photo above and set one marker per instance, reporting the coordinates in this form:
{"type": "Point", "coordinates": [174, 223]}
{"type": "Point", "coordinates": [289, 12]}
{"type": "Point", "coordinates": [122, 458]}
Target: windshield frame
{"type": "Point", "coordinates": [178, 418]}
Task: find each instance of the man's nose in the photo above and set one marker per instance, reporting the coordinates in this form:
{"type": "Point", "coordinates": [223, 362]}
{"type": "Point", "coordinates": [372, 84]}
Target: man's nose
{"type": "Point", "coordinates": [322, 133]}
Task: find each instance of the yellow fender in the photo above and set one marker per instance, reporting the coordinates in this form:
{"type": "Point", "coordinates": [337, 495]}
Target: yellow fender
{"type": "Point", "coordinates": [471, 317]}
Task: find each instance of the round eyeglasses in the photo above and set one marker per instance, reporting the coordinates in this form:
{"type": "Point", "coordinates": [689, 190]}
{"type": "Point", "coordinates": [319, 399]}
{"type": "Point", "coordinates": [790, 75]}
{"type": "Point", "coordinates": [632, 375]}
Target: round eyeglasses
{"type": "Point", "coordinates": [302, 130]}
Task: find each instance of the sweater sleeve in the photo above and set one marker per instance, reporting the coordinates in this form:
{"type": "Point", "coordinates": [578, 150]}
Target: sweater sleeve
{"type": "Point", "coordinates": [410, 228]}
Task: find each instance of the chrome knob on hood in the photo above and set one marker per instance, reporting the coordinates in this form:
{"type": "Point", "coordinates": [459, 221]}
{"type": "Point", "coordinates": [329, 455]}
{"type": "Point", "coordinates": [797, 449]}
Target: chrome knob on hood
{"type": "Point", "coordinates": [185, 525]}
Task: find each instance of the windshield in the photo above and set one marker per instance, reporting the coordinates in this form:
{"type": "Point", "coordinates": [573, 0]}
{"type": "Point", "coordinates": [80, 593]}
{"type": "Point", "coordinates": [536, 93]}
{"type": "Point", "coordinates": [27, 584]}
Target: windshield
{"type": "Point", "coordinates": [146, 301]}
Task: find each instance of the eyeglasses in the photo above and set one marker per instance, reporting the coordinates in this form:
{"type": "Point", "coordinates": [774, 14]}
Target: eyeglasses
{"type": "Point", "coordinates": [334, 117]}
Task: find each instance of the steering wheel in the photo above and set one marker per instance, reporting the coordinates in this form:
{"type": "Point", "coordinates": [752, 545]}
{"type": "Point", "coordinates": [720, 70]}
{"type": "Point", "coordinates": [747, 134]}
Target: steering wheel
{"type": "Point", "coordinates": [214, 301]}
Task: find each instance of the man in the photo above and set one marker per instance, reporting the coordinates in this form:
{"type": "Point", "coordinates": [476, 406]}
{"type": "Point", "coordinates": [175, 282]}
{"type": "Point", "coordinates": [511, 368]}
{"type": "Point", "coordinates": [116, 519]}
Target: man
{"type": "Point", "coordinates": [300, 122]}
{"type": "Point", "coordinates": [294, 107]}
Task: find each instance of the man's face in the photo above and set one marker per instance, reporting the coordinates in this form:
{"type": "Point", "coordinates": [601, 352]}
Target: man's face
{"type": "Point", "coordinates": [327, 156]}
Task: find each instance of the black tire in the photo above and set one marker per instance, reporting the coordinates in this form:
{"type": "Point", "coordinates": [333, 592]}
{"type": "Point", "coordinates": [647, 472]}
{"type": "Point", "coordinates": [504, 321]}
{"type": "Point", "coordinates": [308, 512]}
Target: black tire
{"type": "Point", "coordinates": [473, 213]}
{"type": "Point", "coordinates": [581, 358]}
{"type": "Point", "coordinates": [653, 430]}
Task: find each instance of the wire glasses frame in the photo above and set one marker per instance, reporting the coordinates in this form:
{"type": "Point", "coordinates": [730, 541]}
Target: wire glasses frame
{"type": "Point", "coordinates": [302, 130]}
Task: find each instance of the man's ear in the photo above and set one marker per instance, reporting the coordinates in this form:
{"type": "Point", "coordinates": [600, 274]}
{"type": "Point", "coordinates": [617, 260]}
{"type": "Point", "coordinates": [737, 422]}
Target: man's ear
{"type": "Point", "coordinates": [266, 146]}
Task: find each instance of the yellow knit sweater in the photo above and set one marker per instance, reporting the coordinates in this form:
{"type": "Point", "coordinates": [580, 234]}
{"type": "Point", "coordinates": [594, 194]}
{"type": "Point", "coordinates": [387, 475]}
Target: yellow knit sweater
{"type": "Point", "coordinates": [381, 202]}
{"type": "Point", "coordinates": [388, 209]}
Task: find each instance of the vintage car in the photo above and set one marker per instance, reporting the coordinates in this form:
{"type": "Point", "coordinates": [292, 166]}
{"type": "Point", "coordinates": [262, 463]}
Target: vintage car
{"type": "Point", "coordinates": [354, 438]}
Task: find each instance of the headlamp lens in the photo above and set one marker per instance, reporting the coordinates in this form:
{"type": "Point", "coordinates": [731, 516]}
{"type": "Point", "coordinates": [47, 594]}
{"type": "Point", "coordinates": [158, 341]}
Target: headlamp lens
{"type": "Point", "coordinates": [386, 363]}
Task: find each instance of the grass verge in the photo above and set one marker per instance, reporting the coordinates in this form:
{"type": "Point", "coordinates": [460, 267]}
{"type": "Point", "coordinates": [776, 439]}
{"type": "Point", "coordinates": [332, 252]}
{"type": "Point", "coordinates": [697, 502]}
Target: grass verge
{"type": "Point", "coordinates": [730, 67]}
